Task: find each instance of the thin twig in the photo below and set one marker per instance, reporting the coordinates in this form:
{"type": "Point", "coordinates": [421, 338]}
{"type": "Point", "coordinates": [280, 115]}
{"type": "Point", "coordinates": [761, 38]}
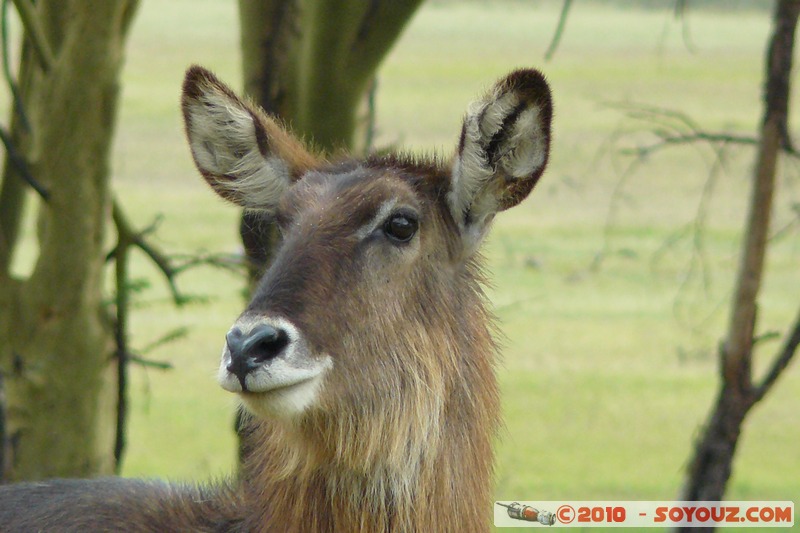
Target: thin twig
{"type": "Point", "coordinates": [121, 339]}
{"type": "Point", "coordinates": [232, 262]}
{"type": "Point", "coordinates": [667, 140]}
{"type": "Point", "coordinates": [562, 22]}
{"type": "Point", "coordinates": [781, 362]}
{"type": "Point", "coordinates": [613, 205]}
{"type": "Point", "coordinates": [126, 238]}
{"type": "Point", "coordinates": [12, 85]}
{"type": "Point", "coordinates": [781, 232]}
{"type": "Point", "coordinates": [3, 437]}
{"type": "Point", "coordinates": [679, 129]}
{"type": "Point", "coordinates": [672, 118]}
{"type": "Point", "coordinates": [21, 166]}
{"type": "Point", "coordinates": [133, 238]}
{"type": "Point", "coordinates": [168, 337]}
{"type": "Point", "coordinates": [369, 130]}
{"type": "Point", "coordinates": [696, 228]}
{"type": "Point", "coordinates": [161, 365]}
{"type": "Point", "coordinates": [681, 12]}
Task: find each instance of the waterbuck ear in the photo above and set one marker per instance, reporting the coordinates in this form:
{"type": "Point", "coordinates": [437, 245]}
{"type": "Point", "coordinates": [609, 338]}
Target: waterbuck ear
{"type": "Point", "coordinates": [503, 150]}
{"type": "Point", "coordinates": [246, 156]}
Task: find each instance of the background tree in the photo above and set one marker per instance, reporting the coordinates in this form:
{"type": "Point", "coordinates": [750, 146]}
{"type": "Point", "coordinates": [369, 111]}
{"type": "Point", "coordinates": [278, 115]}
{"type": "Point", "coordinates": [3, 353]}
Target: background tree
{"type": "Point", "coordinates": [310, 61]}
{"type": "Point", "coordinates": [56, 342]}
{"type": "Point", "coordinates": [711, 466]}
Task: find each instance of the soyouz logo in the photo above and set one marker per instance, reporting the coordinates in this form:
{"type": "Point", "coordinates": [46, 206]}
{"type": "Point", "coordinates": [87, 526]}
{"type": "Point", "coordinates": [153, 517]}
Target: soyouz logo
{"type": "Point", "coordinates": [723, 514]}
{"type": "Point", "coordinates": [644, 514]}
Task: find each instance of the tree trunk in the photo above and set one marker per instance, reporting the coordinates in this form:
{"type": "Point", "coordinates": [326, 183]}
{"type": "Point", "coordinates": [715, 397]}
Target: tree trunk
{"type": "Point", "coordinates": [711, 465]}
{"type": "Point", "coordinates": [310, 61]}
{"type": "Point", "coordinates": [56, 343]}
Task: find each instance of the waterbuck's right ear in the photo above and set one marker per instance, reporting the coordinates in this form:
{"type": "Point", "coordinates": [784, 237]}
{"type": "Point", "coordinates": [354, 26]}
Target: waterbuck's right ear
{"type": "Point", "coordinates": [502, 152]}
{"type": "Point", "coordinates": [246, 156]}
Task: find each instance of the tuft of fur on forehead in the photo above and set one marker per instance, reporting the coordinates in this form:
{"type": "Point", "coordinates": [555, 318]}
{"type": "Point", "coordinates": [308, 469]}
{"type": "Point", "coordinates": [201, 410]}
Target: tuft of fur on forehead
{"type": "Point", "coordinates": [428, 174]}
{"type": "Point", "coordinates": [429, 165]}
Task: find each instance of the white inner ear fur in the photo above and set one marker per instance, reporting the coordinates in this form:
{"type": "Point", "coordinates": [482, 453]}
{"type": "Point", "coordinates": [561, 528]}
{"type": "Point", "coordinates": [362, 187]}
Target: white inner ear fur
{"type": "Point", "coordinates": [497, 109]}
{"type": "Point", "coordinates": [475, 183]}
{"type": "Point", "coordinates": [471, 170]}
{"type": "Point", "coordinates": [222, 137]}
{"type": "Point", "coordinates": [524, 150]}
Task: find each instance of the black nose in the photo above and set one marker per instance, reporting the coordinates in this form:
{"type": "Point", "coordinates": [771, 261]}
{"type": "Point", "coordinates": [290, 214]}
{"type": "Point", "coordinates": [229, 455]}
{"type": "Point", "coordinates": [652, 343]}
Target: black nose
{"type": "Point", "coordinates": [250, 351]}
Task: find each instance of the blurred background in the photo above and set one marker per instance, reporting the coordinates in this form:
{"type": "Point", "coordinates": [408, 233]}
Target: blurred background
{"type": "Point", "coordinates": [612, 282]}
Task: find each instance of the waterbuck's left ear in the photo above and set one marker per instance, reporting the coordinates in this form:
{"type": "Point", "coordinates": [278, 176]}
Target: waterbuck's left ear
{"type": "Point", "coordinates": [503, 150]}
{"type": "Point", "coordinates": [244, 154]}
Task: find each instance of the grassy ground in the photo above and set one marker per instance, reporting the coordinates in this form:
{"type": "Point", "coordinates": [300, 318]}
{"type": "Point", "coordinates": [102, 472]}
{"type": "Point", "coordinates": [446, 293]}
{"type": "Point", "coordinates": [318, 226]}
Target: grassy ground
{"type": "Point", "coordinates": [608, 372]}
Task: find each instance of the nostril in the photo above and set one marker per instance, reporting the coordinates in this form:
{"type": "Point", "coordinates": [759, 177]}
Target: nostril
{"type": "Point", "coordinates": [264, 343]}
{"type": "Point", "coordinates": [249, 351]}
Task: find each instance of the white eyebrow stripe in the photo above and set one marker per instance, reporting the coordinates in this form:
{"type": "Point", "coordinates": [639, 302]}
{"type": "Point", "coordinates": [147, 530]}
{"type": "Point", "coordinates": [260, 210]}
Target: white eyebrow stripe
{"type": "Point", "coordinates": [383, 212]}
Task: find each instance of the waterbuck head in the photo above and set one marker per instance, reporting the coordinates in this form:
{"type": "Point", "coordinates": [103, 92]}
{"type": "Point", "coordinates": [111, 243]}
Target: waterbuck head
{"type": "Point", "coordinates": [368, 334]}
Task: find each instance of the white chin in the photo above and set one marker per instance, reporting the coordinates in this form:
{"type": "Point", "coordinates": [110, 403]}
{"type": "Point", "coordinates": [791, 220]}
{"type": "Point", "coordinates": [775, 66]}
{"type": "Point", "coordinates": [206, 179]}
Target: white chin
{"type": "Point", "coordinates": [284, 402]}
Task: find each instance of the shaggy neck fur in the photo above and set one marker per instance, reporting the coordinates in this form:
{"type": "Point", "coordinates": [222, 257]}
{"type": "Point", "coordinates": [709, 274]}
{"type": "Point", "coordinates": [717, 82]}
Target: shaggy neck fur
{"type": "Point", "coordinates": [425, 465]}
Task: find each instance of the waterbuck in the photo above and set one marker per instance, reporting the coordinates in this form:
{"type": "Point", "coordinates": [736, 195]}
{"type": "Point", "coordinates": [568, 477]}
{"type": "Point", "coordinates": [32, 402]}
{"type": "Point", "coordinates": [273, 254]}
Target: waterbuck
{"type": "Point", "coordinates": [366, 356]}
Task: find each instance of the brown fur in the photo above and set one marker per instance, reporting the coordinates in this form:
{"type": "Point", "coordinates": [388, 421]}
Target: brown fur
{"type": "Point", "coordinates": [398, 436]}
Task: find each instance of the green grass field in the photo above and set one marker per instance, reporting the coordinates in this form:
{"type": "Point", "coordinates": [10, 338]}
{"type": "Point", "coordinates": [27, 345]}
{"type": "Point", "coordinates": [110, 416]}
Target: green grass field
{"type": "Point", "coordinates": [608, 373]}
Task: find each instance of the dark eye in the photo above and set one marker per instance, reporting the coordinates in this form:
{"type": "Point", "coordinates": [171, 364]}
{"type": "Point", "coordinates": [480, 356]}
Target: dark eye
{"type": "Point", "coordinates": [400, 227]}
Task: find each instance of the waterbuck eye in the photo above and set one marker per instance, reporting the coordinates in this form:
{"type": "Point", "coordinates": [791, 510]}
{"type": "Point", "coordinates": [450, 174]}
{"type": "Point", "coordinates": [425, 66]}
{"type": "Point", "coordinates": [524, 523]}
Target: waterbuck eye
{"type": "Point", "coordinates": [401, 227]}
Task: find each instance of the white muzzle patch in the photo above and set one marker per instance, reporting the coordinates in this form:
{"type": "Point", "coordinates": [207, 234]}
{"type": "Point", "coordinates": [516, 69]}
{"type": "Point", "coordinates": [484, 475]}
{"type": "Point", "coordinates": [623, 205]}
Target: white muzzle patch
{"type": "Point", "coordinates": [285, 384]}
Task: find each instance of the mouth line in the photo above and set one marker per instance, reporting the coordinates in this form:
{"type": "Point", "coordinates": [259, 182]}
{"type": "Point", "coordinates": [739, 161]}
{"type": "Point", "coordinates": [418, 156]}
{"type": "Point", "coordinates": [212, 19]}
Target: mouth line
{"type": "Point", "coordinates": [282, 387]}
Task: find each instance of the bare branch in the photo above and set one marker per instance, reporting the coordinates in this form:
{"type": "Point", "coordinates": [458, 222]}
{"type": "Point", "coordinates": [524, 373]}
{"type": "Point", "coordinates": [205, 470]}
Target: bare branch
{"type": "Point", "coordinates": [666, 140]}
{"type": "Point", "coordinates": [696, 228]}
{"type": "Point", "coordinates": [613, 206]}
{"type": "Point", "coordinates": [35, 33]}
{"type": "Point", "coordinates": [21, 166]}
{"type": "Point", "coordinates": [161, 365]}
{"type": "Point", "coordinates": [12, 85]}
{"type": "Point", "coordinates": [673, 128]}
{"type": "Point", "coordinates": [3, 437]}
{"type": "Point", "coordinates": [677, 128]}
{"type": "Point", "coordinates": [121, 338]}
{"type": "Point", "coordinates": [169, 266]}
{"type": "Point", "coordinates": [168, 337]}
{"type": "Point", "coordinates": [369, 129]}
{"type": "Point", "coordinates": [781, 232]}
{"type": "Point", "coordinates": [231, 262]}
{"type": "Point", "coordinates": [670, 118]}
{"type": "Point", "coordinates": [781, 361]}
{"type": "Point", "coordinates": [126, 238]}
{"type": "Point", "coordinates": [562, 22]}
{"type": "Point", "coordinates": [681, 12]}
{"type": "Point", "coordinates": [129, 237]}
